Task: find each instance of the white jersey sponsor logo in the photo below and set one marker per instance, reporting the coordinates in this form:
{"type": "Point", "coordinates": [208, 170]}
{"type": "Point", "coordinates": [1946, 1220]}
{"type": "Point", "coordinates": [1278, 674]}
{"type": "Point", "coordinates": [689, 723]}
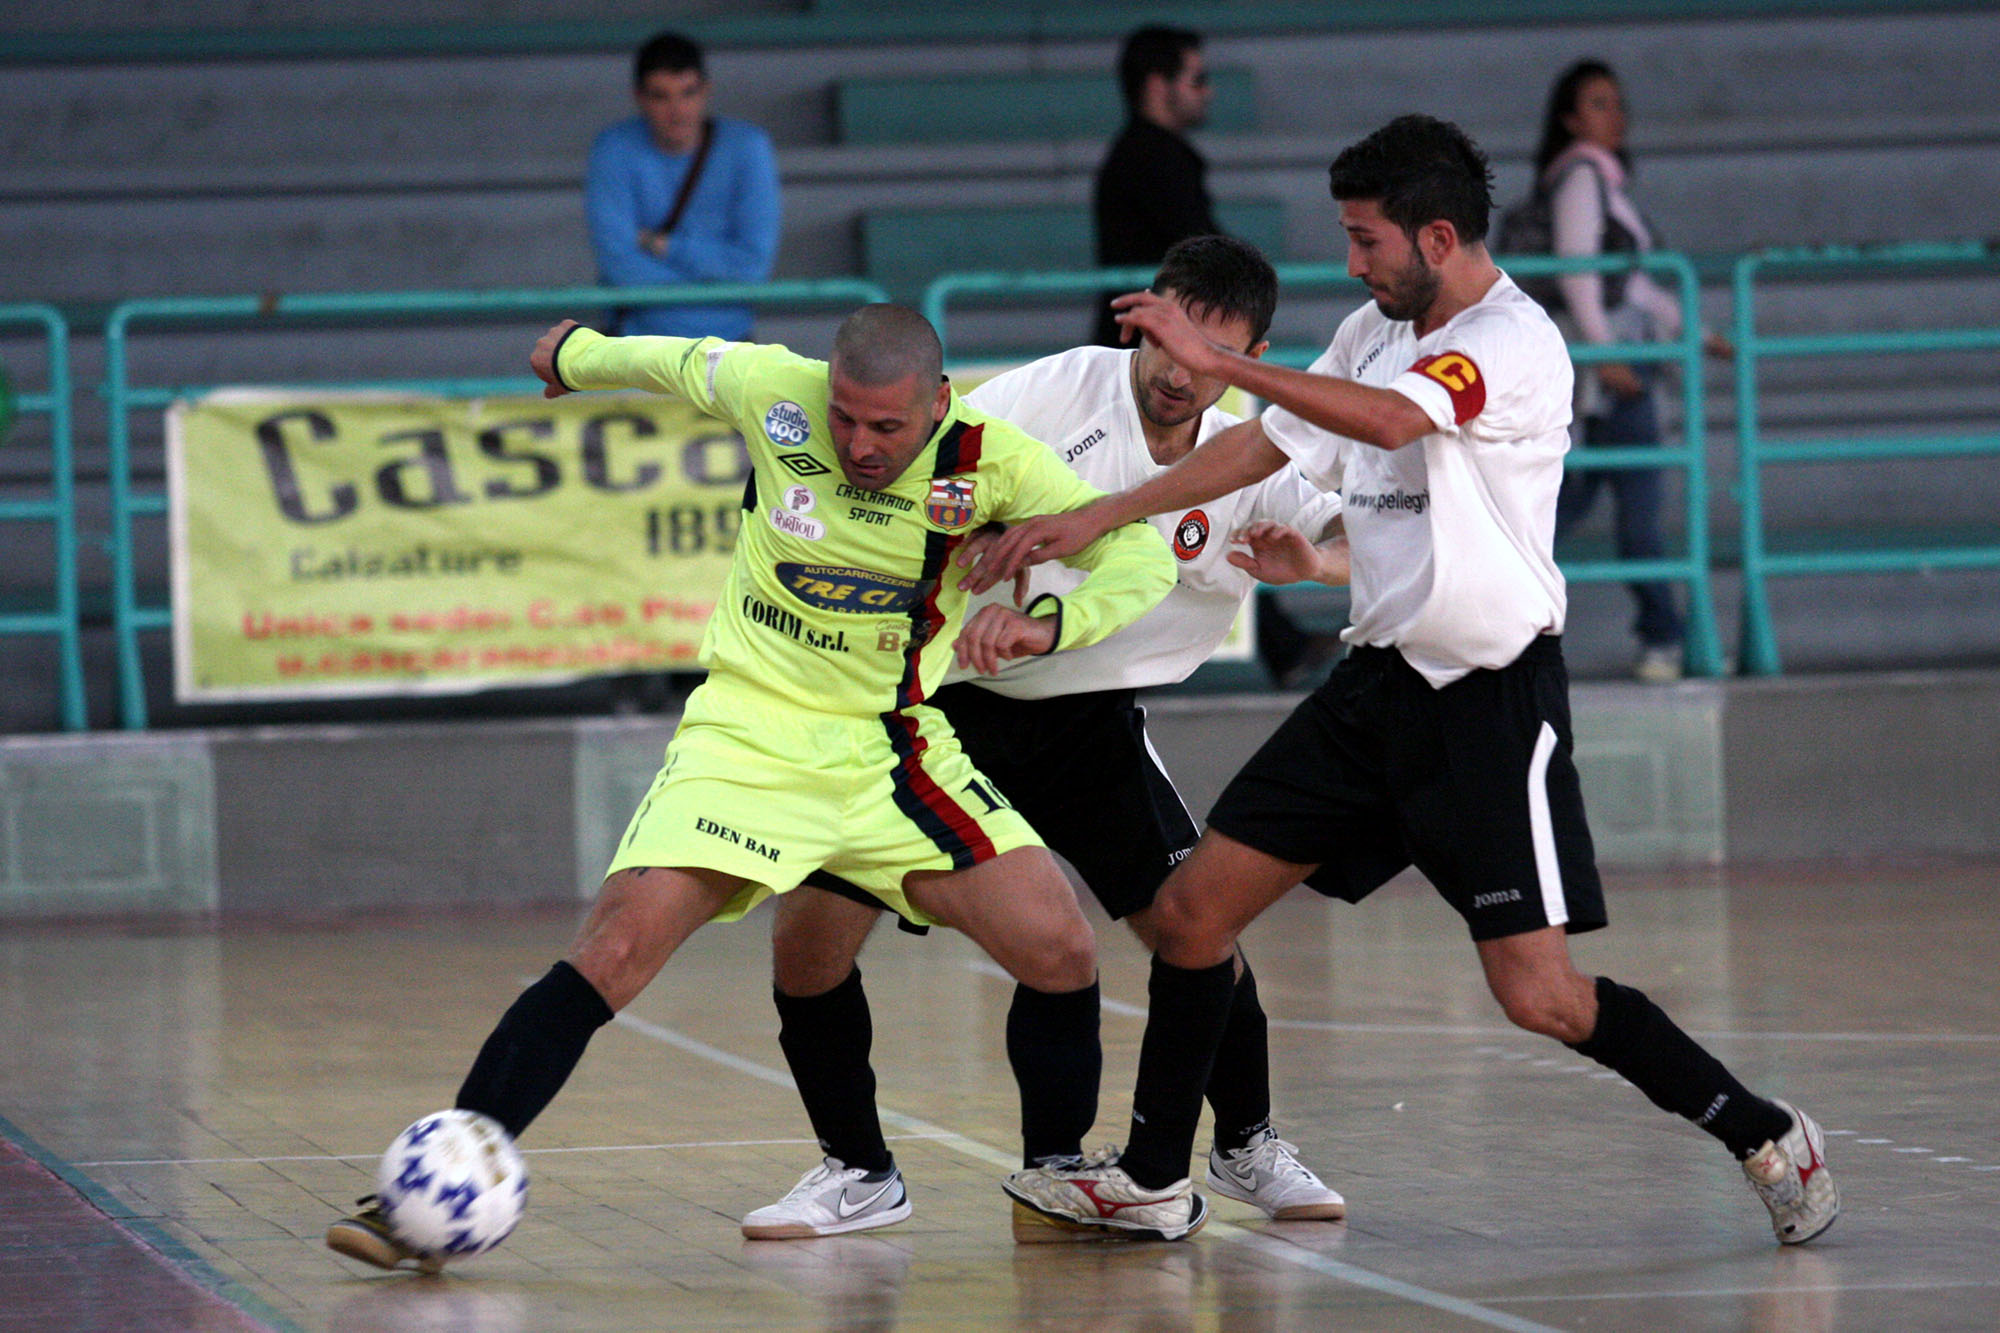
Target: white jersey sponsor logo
{"type": "Point", "coordinates": [787, 424]}
{"type": "Point", "coordinates": [792, 525]}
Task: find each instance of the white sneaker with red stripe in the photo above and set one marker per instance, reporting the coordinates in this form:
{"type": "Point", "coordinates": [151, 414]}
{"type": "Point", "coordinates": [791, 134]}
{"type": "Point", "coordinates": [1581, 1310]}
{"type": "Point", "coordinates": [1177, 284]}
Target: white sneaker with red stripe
{"type": "Point", "coordinates": [1790, 1176]}
{"type": "Point", "coordinates": [1094, 1193]}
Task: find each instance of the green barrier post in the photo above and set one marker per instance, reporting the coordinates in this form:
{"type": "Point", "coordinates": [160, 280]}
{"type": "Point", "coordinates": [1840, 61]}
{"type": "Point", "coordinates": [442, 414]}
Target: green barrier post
{"type": "Point", "coordinates": [1759, 644]}
{"type": "Point", "coordinates": [59, 509]}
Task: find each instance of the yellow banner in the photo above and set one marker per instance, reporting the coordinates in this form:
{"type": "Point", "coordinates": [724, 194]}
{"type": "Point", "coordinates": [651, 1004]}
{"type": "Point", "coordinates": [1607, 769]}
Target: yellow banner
{"type": "Point", "coordinates": [328, 545]}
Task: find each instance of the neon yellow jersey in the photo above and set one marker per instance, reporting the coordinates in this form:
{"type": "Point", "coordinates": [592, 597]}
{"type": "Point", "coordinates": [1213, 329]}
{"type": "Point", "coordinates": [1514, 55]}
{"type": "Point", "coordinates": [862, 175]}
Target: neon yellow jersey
{"type": "Point", "coordinates": [839, 598]}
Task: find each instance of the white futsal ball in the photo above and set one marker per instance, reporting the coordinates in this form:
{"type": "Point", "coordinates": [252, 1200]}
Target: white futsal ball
{"type": "Point", "coordinates": [453, 1184]}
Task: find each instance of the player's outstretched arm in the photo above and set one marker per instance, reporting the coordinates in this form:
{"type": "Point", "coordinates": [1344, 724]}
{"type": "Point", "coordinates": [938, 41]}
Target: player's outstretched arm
{"type": "Point", "coordinates": [1278, 553]}
{"type": "Point", "coordinates": [1228, 461]}
{"type": "Point", "coordinates": [570, 357]}
{"type": "Point", "coordinates": [1381, 417]}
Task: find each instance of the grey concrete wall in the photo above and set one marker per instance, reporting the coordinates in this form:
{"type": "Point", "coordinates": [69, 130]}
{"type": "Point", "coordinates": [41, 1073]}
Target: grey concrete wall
{"type": "Point", "coordinates": [329, 820]}
{"type": "Point", "coordinates": [1858, 766]}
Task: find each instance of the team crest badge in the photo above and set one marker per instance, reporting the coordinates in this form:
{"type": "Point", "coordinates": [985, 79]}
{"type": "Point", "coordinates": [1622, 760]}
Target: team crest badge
{"type": "Point", "coordinates": [1190, 534]}
{"type": "Point", "coordinates": [950, 502]}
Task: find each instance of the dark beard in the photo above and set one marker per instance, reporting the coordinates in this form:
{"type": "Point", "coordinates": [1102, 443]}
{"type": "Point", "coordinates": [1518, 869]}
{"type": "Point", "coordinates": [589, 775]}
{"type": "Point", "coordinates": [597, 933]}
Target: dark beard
{"type": "Point", "coordinates": [1414, 291]}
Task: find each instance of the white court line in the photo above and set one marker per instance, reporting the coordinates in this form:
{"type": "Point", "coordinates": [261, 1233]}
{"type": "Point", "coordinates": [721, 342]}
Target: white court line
{"type": "Point", "coordinates": [1743, 1291]}
{"type": "Point", "coordinates": [525, 1152]}
{"type": "Point", "coordinates": [1250, 1240]}
{"type": "Point", "coordinates": [1429, 1030]}
{"type": "Point", "coordinates": [986, 967]}
{"type": "Point", "coordinates": [907, 1123]}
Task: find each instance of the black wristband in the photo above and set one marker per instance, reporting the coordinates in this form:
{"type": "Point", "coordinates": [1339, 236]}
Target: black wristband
{"type": "Point", "coordinates": [555, 361]}
{"type": "Point", "coordinates": [1057, 617]}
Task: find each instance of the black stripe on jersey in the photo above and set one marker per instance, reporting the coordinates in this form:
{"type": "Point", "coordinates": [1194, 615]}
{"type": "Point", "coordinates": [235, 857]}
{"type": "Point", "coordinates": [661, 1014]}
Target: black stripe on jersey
{"type": "Point", "coordinates": [750, 492]}
{"type": "Point", "coordinates": [958, 451]}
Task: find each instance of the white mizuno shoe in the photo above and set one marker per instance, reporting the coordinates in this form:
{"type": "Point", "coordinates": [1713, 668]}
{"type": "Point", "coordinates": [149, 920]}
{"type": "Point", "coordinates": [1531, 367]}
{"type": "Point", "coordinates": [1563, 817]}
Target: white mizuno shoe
{"type": "Point", "coordinates": [1790, 1176]}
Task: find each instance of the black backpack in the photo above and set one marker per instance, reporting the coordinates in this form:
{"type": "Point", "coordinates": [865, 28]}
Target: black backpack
{"type": "Point", "coordinates": [1528, 228]}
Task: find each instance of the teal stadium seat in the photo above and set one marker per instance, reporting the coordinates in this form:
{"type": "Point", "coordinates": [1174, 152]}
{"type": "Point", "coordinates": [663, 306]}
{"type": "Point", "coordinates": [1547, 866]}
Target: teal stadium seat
{"type": "Point", "coordinates": [995, 107]}
{"type": "Point", "coordinates": [903, 249]}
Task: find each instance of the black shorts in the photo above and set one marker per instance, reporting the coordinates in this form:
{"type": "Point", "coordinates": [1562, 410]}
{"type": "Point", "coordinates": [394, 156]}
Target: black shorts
{"type": "Point", "coordinates": [1081, 771]}
{"type": "Point", "coordinates": [1473, 784]}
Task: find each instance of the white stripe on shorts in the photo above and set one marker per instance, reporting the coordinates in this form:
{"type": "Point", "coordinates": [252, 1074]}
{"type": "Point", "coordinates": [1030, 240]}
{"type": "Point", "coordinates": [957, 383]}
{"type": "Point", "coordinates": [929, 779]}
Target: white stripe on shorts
{"type": "Point", "coordinates": [1541, 829]}
{"type": "Point", "coordinates": [1161, 765]}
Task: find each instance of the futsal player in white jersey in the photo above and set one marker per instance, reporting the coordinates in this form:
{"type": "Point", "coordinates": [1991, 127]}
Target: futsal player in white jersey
{"type": "Point", "coordinates": [1063, 740]}
{"type": "Point", "coordinates": [1443, 739]}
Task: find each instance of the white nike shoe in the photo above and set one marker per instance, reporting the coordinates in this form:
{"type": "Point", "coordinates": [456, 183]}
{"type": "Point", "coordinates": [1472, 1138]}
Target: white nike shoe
{"type": "Point", "coordinates": [1076, 1197]}
{"type": "Point", "coordinates": [1790, 1176]}
{"type": "Point", "coordinates": [1269, 1174]}
{"type": "Point", "coordinates": [831, 1200]}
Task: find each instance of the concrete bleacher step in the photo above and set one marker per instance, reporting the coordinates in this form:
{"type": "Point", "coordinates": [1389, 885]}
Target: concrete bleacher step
{"type": "Point", "coordinates": [903, 249]}
{"type": "Point", "coordinates": [980, 107]}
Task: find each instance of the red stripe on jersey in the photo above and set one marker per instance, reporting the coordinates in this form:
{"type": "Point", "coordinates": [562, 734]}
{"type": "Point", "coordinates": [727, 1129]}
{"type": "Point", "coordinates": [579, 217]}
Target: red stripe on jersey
{"type": "Point", "coordinates": [942, 819]}
{"type": "Point", "coordinates": [1460, 376]}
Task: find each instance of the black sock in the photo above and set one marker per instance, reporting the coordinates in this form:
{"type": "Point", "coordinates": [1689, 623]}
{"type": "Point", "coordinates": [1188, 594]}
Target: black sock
{"type": "Point", "coordinates": [531, 1053]}
{"type": "Point", "coordinates": [826, 1039]}
{"type": "Point", "coordinates": [1053, 1046]}
{"type": "Point", "coordinates": [1239, 1084]}
{"type": "Point", "coordinates": [1634, 1037]}
{"type": "Point", "coordinates": [1189, 1010]}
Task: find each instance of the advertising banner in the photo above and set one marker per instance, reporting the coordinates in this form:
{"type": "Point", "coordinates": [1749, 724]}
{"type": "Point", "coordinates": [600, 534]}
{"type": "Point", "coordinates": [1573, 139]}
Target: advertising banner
{"type": "Point", "coordinates": [340, 545]}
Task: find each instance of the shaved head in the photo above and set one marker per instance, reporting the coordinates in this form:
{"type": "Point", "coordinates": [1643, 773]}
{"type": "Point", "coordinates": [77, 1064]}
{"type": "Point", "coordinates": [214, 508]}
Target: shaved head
{"type": "Point", "coordinates": [885, 392]}
{"type": "Point", "coordinates": [886, 344]}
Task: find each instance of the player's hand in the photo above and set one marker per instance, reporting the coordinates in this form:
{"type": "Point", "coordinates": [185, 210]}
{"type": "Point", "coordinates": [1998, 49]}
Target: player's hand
{"type": "Point", "coordinates": [1167, 324]}
{"type": "Point", "coordinates": [543, 359]}
{"type": "Point", "coordinates": [1621, 380]}
{"type": "Point", "coordinates": [974, 549]}
{"type": "Point", "coordinates": [1276, 554]}
{"type": "Point", "coordinates": [1037, 541]}
{"type": "Point", "coordinates": [996, 635]}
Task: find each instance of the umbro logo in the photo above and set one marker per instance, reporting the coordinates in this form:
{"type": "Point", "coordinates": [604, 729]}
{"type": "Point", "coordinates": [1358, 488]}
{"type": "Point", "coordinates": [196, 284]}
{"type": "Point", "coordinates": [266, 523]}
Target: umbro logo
{"type": "Point", "coordinates": [804, 465]}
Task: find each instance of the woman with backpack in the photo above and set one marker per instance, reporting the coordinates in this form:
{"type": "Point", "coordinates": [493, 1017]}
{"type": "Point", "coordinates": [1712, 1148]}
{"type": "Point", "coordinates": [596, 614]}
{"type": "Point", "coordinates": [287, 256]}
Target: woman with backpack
{"type": "Point", "coordinates": [1583, 170]}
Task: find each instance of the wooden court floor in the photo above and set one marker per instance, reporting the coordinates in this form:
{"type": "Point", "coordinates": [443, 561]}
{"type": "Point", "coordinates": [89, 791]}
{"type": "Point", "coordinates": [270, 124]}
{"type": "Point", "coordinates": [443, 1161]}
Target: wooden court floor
{"type": "Point", "coordinates": [223, 1093]}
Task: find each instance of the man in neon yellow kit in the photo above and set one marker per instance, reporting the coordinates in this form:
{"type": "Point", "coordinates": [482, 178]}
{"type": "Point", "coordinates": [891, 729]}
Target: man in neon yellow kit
{"type": "Point", "coordinates": [810, 745]}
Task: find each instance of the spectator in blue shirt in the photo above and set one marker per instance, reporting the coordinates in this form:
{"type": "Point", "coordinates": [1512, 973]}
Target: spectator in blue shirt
{"type": "Point", "coordinates": [676, 195]}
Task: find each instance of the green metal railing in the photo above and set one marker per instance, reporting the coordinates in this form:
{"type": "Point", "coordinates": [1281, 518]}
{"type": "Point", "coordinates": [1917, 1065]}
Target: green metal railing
{"type": "Point", "coordinates": [1702, 644]}
{"type": "Point", "coordinates": [122, 397]}
{"type": "Point", "coordinates": [1755, 453]}
{"type": "Point", "coordinates": [58, 509]}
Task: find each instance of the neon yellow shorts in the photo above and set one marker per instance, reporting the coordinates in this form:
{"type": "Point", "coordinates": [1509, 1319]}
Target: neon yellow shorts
{"type": "Point", "coordinates": [770, 792]}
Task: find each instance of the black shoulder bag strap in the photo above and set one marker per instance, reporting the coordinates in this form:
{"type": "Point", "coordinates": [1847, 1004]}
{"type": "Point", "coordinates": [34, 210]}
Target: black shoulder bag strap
{"type": "Point", "coordinates": [688, 182]}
